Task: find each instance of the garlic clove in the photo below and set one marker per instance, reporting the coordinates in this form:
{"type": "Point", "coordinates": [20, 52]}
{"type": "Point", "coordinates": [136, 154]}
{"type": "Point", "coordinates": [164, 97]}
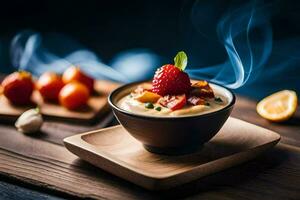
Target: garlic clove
{"type": "Point", "coordinates": [29, 122]}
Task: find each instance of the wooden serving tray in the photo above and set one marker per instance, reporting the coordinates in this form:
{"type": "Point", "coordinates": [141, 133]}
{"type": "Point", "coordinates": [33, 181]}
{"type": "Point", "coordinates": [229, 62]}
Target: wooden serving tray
{"type": "Point", "coordinates": [115, 151]}
{"type": "Point", "coordinates": [96, 105]}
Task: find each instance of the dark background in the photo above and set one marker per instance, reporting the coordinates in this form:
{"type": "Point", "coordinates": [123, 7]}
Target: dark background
{"type": "Point", "coordinates": [102, 26]}
{"type": "Point", "coordinates": [111, 26]}
{"type": "Point", "coordinates": [108, 27]}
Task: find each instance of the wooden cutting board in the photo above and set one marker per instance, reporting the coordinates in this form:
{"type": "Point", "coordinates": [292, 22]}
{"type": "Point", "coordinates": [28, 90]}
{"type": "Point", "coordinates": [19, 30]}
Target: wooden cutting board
{"type": "Point", "coordinates": [114, 150]}
{"type": "Point", "coordinates": [96, 106]}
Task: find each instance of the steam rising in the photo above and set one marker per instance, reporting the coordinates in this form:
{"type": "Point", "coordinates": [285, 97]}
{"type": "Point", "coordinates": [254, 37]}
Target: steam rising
{"type": "Point", "coordinates": [244, 55]}
{"type": "Point", "coordinates": [28, 53]}
{"type": "Point", "coordinates": [234, 30]}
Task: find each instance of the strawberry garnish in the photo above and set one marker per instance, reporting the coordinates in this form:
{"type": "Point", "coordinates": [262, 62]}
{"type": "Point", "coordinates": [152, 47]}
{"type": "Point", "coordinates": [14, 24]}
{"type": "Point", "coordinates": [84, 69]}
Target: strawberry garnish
{"type": "Point", "coordinates": [171, 79]}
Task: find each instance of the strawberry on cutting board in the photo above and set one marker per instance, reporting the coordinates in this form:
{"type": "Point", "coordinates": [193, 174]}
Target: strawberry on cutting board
{"type": "Point", "coordinates": [171, 79]}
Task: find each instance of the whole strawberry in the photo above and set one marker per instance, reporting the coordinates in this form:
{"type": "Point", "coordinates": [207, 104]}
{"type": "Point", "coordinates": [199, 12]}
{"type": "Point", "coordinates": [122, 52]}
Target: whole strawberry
{"type": "Point", "coordinates": [171, 79]}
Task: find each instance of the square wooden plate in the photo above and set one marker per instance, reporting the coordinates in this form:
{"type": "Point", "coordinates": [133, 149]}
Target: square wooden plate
{"type": "Point", "coordinates": [115, 151]}
{"type": "Point", "coordinates": [96, 105]}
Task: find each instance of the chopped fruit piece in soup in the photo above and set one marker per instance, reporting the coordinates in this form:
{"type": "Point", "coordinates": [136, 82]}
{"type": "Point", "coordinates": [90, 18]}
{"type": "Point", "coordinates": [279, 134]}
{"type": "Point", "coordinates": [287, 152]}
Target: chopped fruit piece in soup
{"type": "Point", "coordinates": [147, 96]}
{"type": "Point", "coordinates": [194, 100]}
{"type": "Point", "coordinates": [173, 102]}
{"type": "Point", "coordinates": [202, 89]}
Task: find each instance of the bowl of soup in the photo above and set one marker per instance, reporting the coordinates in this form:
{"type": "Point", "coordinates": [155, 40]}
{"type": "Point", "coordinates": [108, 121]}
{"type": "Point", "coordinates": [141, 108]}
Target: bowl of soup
{"type": "Point", "coordinates": [172, 114]}
{"type": "Point", "coordinates": [166, 131]}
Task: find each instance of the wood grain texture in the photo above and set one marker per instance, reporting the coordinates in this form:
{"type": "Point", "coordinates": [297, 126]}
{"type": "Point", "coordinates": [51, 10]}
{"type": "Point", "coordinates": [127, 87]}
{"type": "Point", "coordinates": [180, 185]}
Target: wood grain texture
{"type": "Point", "coordinates": [115, 150]}
{"type": "Point", "coordinates": [272, 176]}
{"type": "Point", "coordinates": [275, 175]}
{"type": "Point", "coordinates": [51, 166]}
{"type": "Point", "coordinates": [97, 105]}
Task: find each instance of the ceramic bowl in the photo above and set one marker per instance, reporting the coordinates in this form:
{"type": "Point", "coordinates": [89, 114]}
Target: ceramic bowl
{"type": "Point", "coordinates": [171, 135]}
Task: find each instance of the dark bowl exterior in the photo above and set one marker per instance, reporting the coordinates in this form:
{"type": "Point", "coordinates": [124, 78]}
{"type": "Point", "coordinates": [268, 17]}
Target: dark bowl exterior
{"type": "Point", "coordinates": [177, 135]}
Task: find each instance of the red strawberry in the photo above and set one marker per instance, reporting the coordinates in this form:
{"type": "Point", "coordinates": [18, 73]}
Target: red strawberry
{"type": "Point", "coordinates": [171, 79]}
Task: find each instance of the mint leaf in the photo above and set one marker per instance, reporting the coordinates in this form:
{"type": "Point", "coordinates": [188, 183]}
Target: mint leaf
{"type": "Point", "coordinates": [180, 60]}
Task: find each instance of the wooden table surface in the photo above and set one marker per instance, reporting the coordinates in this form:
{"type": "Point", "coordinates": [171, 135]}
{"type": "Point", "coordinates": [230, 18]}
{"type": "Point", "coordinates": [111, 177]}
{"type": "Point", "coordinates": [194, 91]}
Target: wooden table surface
{"type": "Point", "coordinates": [41, 168]}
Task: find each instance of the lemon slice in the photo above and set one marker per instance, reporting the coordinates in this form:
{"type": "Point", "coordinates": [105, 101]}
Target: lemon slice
{"type": "Point", "coordinates": [279, 106]}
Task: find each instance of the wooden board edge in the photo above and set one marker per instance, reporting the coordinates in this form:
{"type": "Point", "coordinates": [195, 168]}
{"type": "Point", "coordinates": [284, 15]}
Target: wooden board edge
{"type": "Point", "coordinates": [151, 182]}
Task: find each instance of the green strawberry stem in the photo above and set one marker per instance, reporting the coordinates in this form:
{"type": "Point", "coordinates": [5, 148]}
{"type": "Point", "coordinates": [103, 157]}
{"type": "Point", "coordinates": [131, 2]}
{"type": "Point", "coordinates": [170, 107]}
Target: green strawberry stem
{"type": "Point", "coordinates": [180, 60]}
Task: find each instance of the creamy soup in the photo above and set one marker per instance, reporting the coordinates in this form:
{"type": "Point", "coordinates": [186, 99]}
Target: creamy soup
{"type": "Point", "coordinates": [128, 103]}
